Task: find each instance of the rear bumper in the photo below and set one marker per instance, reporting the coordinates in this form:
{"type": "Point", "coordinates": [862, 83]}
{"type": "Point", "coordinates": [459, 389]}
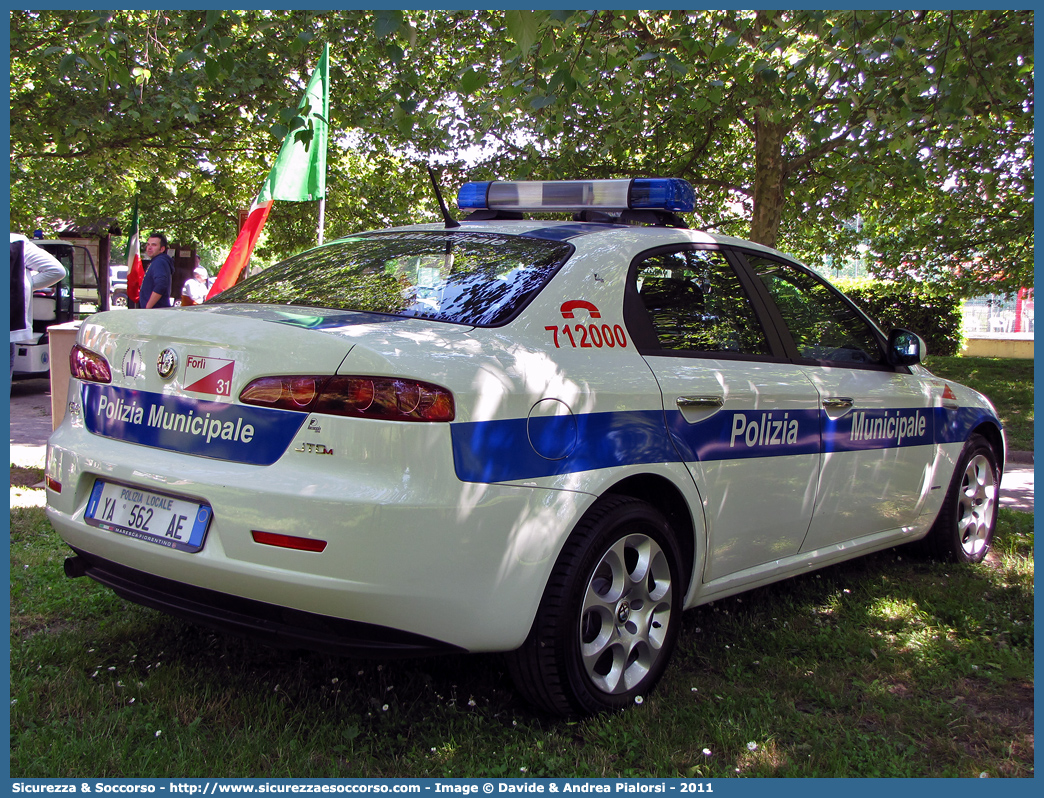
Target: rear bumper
{"type": "Point", "coordinates": [269, 623]}
{"type": "Point", "coordinates": [410, 549]}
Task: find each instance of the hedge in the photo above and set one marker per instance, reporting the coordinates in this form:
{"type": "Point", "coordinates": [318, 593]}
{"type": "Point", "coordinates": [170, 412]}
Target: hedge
{"type": "Point", "coordinates": [912, 306]}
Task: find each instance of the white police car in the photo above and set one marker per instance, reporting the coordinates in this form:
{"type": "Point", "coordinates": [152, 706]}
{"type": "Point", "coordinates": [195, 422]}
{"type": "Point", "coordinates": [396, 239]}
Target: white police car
{"type": "Point", "coordinates": [537, 437]}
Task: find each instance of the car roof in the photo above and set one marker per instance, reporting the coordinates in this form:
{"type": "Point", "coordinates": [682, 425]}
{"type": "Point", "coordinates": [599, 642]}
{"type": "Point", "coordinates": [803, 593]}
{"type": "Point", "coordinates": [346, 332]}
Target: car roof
{"type": "Point", "coordinates": [575, 232]}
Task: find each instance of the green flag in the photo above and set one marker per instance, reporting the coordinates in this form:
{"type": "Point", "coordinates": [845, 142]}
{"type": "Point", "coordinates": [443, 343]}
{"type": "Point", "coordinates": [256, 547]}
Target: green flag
{"type": "Point", "coordinates": [299, 172]}
{"type": "Point", "coordinates": [298, 175]}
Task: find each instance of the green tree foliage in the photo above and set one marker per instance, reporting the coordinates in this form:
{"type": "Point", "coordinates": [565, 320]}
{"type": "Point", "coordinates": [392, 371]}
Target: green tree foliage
{"type": "Point", "coordinates": [934, 315]}
{"type": "Point", "coordinates": [920, 123]}
{"type": "Point", "coordinates": [792, 125]}
{"type": "Point", "coordinates": [189, 108]}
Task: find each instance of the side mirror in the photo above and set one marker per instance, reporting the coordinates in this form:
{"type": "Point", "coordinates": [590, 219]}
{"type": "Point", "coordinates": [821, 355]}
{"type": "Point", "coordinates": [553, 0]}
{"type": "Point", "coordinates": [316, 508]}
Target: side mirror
{"type": "Point", "coordinates": [905, 348]}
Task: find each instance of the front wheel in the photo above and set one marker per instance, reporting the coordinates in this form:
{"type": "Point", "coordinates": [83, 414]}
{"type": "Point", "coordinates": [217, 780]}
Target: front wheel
{"type": "Point", "coordinates": [963, 532]}
{"type": "Point", "coordinates": [609, 617]}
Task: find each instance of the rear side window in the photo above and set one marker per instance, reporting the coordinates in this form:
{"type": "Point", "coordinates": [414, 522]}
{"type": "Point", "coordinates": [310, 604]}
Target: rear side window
{"type": "Point", "coordinates": [695, 303]}
{"type": "Point", "coordinates": [480, 279]}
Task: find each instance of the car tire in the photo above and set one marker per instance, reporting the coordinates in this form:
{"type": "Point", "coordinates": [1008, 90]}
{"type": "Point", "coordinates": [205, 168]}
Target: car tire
{"type": "Point", "coordinates": [609, 617]}
{"type": "Point", "coordinates": [118, 301]}
{"type": "Point", "coordinates": [963, 532]}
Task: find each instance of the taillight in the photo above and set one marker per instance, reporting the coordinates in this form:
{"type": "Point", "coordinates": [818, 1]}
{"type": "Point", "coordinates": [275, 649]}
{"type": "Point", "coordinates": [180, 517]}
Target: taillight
{"type": "Point", "coordinates": [88, 366]}
{"type": "Point", "coordinates": [385, 398]}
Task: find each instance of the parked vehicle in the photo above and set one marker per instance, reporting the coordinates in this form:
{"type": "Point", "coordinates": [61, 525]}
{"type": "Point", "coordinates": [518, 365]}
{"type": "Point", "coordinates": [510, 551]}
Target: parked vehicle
{"type": "Point", "coordinates": [53, 305]}
{"type": "Point", "coordinates": [544, 438]}
{"type": "Point", "coordinates": [118, 285]}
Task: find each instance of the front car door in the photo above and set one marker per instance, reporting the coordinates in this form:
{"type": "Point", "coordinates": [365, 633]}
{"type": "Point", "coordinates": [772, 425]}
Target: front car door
{"type": "Point", "coordinates": [745, 421]}
{"type": "Point", "coordinates": [877, 420]}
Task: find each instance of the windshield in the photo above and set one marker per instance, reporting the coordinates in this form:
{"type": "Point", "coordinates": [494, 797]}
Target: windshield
{"type": "Point", "coordinates": [480, 279]}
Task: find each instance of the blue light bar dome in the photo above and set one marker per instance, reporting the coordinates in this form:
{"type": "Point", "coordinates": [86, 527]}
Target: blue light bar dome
{"type": "Point", "coordinates": [663, 194]}
{"type": "Point", "coordinates": [472, 196]}
{"type": "Point", "coordinates": [564, 196]}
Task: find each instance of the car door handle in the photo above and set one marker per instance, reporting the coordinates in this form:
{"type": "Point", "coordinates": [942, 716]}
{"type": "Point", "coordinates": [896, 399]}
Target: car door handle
{"type": "Point", "coordinates": [699, 402]}
{"type": "Point", "coordinates": [838, 403]}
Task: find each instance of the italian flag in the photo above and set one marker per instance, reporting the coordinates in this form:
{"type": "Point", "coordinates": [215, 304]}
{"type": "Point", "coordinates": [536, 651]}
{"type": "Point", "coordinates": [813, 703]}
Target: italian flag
{"type": "Point", "coordinates": [239, 256]}
{"type": "Point", "coordinates": [135, 271]}
{"type": "Point", "coordinates": [299, 173]}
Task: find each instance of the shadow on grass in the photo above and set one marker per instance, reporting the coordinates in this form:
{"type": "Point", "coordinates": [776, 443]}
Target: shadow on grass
{"type": "Point", "coordinates": [887, 665]}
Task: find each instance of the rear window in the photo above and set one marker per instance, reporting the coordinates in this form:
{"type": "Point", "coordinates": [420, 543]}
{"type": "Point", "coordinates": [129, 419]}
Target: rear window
{"type": "Point", "coordinates": [480, 279]}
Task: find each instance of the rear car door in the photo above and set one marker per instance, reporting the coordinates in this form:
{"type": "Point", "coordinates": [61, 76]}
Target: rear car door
{"type": "Point", "coordinates": [877, 423]}
{"type": "Point", "coordinates": [744, 421]}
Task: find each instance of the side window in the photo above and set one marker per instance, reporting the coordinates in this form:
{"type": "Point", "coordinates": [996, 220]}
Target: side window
{"type": "Point", "coordinates": [697, 304]}
{"type": "Point", "coordinates": [823, 325]}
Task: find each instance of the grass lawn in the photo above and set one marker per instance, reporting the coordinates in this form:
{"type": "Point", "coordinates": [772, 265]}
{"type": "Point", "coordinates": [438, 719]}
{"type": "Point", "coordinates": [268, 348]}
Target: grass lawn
{"type": "Point", "coordinates": [1007, 382]}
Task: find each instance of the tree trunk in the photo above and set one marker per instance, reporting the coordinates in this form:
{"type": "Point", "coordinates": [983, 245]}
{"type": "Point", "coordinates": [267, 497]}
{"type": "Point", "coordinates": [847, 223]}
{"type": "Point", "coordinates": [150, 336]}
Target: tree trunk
{"type": "Point", "coordinates": [769, 179]}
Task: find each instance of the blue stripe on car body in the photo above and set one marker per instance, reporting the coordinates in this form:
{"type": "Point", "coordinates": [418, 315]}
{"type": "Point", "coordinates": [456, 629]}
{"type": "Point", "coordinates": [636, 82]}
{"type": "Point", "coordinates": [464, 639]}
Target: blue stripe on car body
{"type": "Point", "coordinates": [219, 430]}
{"type": "Point", "coordinates": [503, 450]}
{"type": "Point", "coordinates": [507, 450]}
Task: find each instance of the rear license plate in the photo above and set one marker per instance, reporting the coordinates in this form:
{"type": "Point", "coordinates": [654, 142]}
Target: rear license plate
{"type": "Point", "coordinates": [155, 517]}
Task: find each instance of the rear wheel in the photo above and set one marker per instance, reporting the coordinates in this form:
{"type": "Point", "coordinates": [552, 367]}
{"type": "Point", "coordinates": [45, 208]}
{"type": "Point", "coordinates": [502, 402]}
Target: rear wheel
{"type": "Point", "coordinates": [963, 532]}
{"type": "Point", "coordinates": [609, 617]}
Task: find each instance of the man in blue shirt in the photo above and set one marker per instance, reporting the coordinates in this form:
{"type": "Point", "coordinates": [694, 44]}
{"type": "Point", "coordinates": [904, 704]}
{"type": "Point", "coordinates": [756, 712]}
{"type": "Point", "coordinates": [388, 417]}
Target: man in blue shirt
{"type": "Point", "coordinates": [156, 287]}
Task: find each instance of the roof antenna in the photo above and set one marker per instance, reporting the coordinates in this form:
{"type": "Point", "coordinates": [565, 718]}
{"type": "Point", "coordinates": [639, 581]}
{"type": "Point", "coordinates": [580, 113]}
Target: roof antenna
{"type": "Point", "coordinates": [450, 221]}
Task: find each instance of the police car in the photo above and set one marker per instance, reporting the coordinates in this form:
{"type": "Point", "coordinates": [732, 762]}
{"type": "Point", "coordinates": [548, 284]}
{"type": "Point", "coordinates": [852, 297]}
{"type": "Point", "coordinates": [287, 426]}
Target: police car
{"type": "Point", "coordinates": [545, 438]}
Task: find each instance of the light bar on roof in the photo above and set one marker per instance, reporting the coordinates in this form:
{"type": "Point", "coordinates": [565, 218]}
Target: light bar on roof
{"type": "Point", "coordinates": [551, 196]}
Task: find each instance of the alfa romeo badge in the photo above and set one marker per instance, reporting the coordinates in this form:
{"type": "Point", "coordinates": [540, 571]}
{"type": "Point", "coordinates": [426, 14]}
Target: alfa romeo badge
{"type": "Point", "coordinates": [167, 363]}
